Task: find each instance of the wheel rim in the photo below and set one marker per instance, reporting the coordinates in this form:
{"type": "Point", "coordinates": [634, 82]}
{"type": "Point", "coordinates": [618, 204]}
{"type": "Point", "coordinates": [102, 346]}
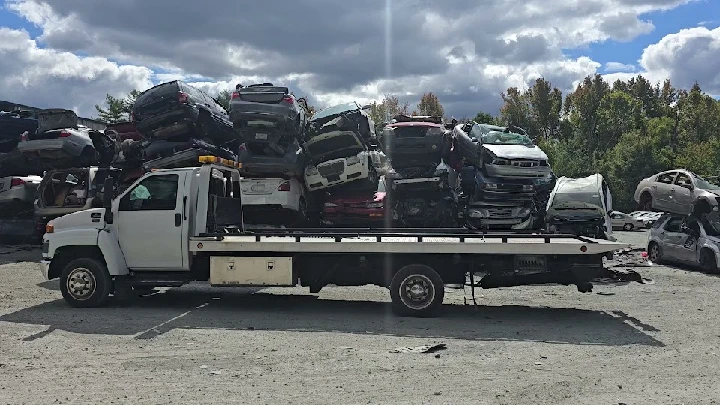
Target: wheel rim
{"type": "Point", "coordinates": [81, 284]}
{"type": "Point", "coordinates": [628, 227]}
{"type": "Point", "coordinates": [417, 291]}
{"type": "Point", "coordinates": [654, 253]}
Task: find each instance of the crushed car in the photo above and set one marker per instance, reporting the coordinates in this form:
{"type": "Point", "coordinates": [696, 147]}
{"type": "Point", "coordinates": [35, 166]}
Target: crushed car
{"type": "Point", "coordinates": [12, 125]}
{"type": "Point", "coordinates": [686, 240]}
{"type": "Point", "coordinates": [17, 195]}
{"type": "Point", "coordinates": [60, 142]}
{"type": "Point", "coordinates": [341, 148]}
{"type": "Point", "coordinates": [269, 115]}
{"type": "Point", "coordinates": [424, 188]}
{"type": "Point", "coordinates": [177, 111]}
{"type": "Point", "coordinates": [581, 207]}
{"type": "Point", "coordinates": [349, 205]}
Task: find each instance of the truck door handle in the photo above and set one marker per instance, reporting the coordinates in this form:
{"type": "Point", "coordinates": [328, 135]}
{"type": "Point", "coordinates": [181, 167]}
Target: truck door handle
{"type": "Point", "coordinates": [178, 219]}
{"type": "Point", "coordinates": [184, 207]}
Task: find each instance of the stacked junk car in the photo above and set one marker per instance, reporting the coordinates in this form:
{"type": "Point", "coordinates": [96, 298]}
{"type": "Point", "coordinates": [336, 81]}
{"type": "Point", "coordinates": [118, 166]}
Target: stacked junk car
{"type": "Point", "coordinates": [336, 167]}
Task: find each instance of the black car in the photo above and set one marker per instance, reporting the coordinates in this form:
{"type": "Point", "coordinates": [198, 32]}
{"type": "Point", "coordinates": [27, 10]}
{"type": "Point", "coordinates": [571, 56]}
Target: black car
{"type": "Point", "coordinates": [177, 111]}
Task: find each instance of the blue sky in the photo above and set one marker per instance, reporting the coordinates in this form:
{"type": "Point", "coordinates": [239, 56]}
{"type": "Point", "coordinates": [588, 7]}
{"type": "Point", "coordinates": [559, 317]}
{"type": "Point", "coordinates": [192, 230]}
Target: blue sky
{"type": "Point", "coordinates": [703, 12]}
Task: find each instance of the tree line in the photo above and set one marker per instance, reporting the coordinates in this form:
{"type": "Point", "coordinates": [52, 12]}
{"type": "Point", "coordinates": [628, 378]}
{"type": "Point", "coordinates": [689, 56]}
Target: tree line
{"type": "Point", "coordinates": [626, 130]}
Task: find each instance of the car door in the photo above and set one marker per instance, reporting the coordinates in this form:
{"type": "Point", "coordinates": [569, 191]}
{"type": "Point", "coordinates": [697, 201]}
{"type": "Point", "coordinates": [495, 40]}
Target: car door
{"type": "Point", "coordinates": [661, 191]}
{"type": "Point", "coordinates": [154, 206]}
{"type": "Point", "coordinates": [687, 250]}
{"type": "Point", "coordinates": [672, 239]}
{"type": "Point", "coordinates": [681, 193]}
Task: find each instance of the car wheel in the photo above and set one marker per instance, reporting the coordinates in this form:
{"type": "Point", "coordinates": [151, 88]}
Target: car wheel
{"type": "Point", "coordinates": [628, 227]}
{"type": "Point", "coordinates": [645, 202]}
{"type": "Point", "coordinates": [85, 283]}
{"type": "Point", "coordinates": [654, 253]}
{"type": "Point", "coordinates": [416, 290]}
{"type": "Point", "coordinates": [708, 262]}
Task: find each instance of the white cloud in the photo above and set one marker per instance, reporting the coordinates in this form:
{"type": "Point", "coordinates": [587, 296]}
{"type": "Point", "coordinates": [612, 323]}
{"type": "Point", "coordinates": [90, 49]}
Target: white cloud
{"type": "Point", "coordinates": [50, 78]}
{"type": "Point", "coordinates": [336, 54]}
{"type": "Point", "coordinates": [612, 67]}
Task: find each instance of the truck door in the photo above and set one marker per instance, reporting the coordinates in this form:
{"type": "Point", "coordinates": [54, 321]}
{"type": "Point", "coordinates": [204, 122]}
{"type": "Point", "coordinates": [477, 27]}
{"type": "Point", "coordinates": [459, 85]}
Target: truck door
{"type": "Point", "coordinates": [150, 222]}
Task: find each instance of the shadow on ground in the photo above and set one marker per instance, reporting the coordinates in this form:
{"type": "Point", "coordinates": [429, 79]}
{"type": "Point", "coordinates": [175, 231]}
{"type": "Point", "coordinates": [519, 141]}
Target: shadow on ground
{"type": "Point", "coordinates": [243, 309]}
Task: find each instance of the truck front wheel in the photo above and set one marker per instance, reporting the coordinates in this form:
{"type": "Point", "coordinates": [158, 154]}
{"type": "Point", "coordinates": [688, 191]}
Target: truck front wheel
{"type": "Point", "coordinates": [416, 290]}
{"type": "Point", "coordinates": [85, 283]}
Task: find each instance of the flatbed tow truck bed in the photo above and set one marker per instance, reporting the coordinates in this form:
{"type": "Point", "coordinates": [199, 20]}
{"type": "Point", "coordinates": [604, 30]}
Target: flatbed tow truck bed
{"type": "Point", "coordinates": [157, 238]}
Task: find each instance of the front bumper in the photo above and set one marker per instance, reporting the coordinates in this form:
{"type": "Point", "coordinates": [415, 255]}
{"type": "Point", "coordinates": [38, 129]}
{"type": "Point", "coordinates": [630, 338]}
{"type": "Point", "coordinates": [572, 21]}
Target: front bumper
{"type": "Point", "coordinates": [517, 172]}
{"type": "Point", "coordinates": [45, 268]}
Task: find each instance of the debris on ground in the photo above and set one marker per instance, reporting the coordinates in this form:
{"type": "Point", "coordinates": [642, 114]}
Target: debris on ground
{"type": "Point", "coordinates": [421, 349]}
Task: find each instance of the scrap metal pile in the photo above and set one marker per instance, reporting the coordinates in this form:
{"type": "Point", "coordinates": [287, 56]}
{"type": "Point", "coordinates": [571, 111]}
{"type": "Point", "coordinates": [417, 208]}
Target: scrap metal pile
{"type": "Point", "coordinates": [331, 168]}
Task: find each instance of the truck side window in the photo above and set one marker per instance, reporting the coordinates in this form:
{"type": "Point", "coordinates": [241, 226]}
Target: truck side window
{"type": "Point", "coordinates": [155, 193]}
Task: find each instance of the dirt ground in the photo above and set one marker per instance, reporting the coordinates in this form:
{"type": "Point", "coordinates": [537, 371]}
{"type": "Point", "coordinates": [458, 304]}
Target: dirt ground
{"type": "Point", "coordinates": [655, 343]}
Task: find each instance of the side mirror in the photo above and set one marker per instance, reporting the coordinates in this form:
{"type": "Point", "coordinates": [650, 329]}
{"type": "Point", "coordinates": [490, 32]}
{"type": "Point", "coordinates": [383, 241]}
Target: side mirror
{"type": "Point", "coordinates": [107, 199]}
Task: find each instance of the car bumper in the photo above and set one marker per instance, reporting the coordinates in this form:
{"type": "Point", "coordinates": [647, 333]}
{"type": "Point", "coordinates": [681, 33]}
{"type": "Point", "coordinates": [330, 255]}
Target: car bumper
{"type": "Point", "coordinates": [20, 193]}
{"type": "Point", "coordinates": [53, 148]}
{"type": "Point", "coordinates": [45, 268]}
{"type": "Point", "coordinates": [287, 202]}
{"type": "Point", "coordinates": [517, 172]}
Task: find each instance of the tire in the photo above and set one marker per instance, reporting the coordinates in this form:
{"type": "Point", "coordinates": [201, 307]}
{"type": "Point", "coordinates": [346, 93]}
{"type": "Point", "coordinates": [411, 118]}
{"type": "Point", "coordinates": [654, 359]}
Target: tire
{"type": "Point", "coordinates": [419, 303]}
{"type": "Point", "coordinates": [85, 283]}
{"type": "Point", "coordinates": [628, 227]}
{"type": "Point", "coordinates": [654, 253]}
{"type": "Point", "coordinates": [708, 262]}
{"type": "Point", "coordinates": [645, 202]}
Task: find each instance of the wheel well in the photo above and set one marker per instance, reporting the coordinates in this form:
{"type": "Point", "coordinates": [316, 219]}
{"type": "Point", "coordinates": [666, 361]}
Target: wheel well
{"type": "Point", "coordinates": [644, 195]}
{"type": "Point", "coordinates": [66, 254]}
{"type": "Point", "coordinates": [707, 251]}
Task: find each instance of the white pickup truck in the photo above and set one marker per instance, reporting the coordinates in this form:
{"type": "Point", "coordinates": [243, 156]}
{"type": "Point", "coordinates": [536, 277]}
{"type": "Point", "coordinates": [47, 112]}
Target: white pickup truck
{"type": "Point", "coordinates": [174, 226]}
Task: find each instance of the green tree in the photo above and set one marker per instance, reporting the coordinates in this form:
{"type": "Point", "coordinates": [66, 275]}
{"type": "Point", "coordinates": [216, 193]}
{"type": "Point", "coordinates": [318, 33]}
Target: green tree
{"type": "Point", "coordinates": [483, 118]}
{"type": "Point", "coordinates": [223, 99]}
{"type": "Point", "coordinates": [118, 108]}
{"type": "Point", "coordinates": [430, 105]}
{"type": "Point", "coordinates": [387, 108]}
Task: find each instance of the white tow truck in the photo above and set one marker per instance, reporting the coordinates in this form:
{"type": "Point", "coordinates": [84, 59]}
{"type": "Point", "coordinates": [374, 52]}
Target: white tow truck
{"type": "Point", "coordinates": [174, 226]}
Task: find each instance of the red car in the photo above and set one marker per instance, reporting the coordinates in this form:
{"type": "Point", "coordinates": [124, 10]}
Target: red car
{"type": "Point", "coordinates": [353, 206]}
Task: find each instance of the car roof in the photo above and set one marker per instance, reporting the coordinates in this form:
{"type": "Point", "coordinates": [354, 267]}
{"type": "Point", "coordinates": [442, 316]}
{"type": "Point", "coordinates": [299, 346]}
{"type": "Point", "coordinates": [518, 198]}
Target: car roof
{"type": "Point", "coordinates": [415, 124]}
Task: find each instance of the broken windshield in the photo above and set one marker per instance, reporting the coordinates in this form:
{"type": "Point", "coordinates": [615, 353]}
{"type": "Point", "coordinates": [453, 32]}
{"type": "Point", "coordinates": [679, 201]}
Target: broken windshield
{"type": "Point", "coordinates": [704, 184]}
{"type": "Point", "coordinates": [505, 138]}
{"type": "Point", "coordinates": [577, 201]}
{"type": "Point", "coordinates": [336, 110]}
{"type": "Point", "coordinates": [336, 144]}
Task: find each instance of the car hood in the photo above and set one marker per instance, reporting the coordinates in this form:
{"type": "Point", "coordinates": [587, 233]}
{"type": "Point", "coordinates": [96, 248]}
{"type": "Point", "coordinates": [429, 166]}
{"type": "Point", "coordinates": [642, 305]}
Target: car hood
{"type": "Point", "coordinates": [517, 151]}
{"type": "Point", "coordinates": [333, 145]}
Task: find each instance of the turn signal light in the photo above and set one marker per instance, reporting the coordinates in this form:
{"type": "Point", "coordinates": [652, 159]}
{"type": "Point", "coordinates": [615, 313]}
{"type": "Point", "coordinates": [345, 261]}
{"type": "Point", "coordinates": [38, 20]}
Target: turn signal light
{"type": "Point", "coordinates": [49, 228]}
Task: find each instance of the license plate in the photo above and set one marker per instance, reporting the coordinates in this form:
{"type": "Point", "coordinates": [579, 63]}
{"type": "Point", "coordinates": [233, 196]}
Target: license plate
{"type": "Point", "coordinates": [334, 178]}
{"type": "Point", "coordinates": [261, 136]}
{"type": "Point", "coordinates": [257, 187]}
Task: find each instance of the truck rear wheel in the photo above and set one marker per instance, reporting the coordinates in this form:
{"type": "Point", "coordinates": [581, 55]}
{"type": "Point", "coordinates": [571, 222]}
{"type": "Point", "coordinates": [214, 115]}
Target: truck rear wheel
{"type": "Point", "coordinates": [85, 283]}
{"type": "Point", "coordinates": [416, 290]}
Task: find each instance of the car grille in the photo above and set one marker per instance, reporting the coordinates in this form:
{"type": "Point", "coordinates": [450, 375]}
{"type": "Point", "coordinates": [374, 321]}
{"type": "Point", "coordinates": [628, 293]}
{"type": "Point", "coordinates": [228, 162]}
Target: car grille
{"type": "Point", "coordinates": [525, 163]}
{"type": "Point", "coordinates": [331, 169]}
{"type": "Point", "coordinates": [500, 213]}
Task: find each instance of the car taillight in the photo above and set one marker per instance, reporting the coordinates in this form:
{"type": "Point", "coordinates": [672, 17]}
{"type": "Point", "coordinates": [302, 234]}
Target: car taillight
{"type": "Point", "coordinates": [182, 97]}
{"type": "Point", "coordinates": [284, 186]}
{"type": "Point", "coordinates": [288, 99]}
{"type": "Point", "coordinates": [16, 182]}
{"type": "Point", "coordinates": [234, 95]}
{"type": "Point", "coordinates": [64, 134]}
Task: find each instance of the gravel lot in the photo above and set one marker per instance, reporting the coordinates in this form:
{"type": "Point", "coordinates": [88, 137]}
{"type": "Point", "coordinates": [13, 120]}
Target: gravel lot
{"type": "Point", "coordinates": [634, 344]}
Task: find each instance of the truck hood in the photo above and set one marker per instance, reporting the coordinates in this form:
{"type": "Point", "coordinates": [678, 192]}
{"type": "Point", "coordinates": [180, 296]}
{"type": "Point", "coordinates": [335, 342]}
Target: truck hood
{"type": "Point", "coordinates": [90, 218]}
{"type": "Point", "coordinates": [517, 151]}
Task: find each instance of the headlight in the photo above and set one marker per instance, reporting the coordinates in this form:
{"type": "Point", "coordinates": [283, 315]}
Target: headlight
{"type": "Point", "coordinates": [500, 161]}
{"type": "Point", "coordinates": [524, 212]}
{"type": "Point", "coordinates": [311, 171]}
{"type": "Point", "coordinates": [330, 205]}
{"type": "Point", "coordinates": [352, 161]}
{"type": "Point", "coordinates": [375, 205]}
